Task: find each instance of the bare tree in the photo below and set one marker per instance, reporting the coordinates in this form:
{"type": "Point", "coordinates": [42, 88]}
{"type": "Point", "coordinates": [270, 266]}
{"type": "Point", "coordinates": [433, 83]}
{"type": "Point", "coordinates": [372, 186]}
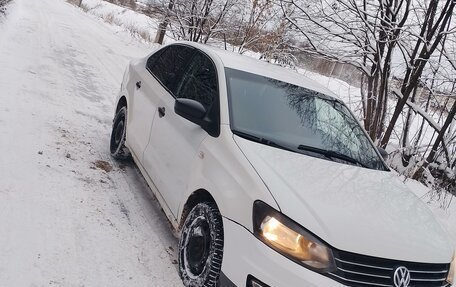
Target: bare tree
{"type": "Point", "coordinates": [403, 48]}
{"type": "Point", "coordinates": [250, 27]}
{"type": "Point", "coordinates": [435, 24]}
{"type": "Point", "coordinates": [361, 33]}
{"type": "Point", "coordinates": [440, 161]}
{"type": "Point", "coordinates": [195, 20]}
{"type": "Point", "coordinates": [438, 141]}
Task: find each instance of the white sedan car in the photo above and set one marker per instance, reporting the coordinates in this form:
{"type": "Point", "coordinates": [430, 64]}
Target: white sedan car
{"type": "Point", "coordinates": [269, 179]}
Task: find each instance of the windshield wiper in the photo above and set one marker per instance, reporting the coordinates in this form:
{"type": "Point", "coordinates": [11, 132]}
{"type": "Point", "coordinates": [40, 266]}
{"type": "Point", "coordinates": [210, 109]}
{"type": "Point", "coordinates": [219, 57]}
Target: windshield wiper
{"type": "Point", "coordinates": [331, 154]}
{"type": "Point", "coordinates": [261, 140]}
{"type": "Point", "coordinates": [327, 153]}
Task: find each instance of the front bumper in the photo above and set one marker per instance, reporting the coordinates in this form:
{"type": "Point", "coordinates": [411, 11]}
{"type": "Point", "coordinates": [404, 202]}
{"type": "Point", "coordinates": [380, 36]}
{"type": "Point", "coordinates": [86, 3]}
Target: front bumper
{"type": "Point", "coordinates": [245, 255]}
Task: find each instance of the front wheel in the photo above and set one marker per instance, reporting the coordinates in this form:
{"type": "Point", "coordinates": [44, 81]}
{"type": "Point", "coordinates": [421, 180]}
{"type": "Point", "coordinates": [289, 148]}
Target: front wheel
{"type": "Point", "coordinates": [118, 135]}
{"type": "Point", "coordinates": [201, 246]}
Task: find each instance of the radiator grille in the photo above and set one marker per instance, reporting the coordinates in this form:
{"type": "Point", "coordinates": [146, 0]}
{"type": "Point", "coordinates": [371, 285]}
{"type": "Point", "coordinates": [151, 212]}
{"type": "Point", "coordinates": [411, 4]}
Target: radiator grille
{"type": "Point", "coordinates": [362, 271]}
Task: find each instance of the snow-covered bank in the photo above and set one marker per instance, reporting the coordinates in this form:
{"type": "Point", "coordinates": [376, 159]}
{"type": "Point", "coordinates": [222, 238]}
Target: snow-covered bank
{"type": "Point", "coordinates": [70, 216]}
{"type": "Point", "coordinates": [138, 25]}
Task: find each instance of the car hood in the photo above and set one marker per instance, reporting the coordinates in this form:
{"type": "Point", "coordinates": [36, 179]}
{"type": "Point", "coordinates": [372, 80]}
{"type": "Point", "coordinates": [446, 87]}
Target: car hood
{"type": "Point", "coordinates": [352, 208]}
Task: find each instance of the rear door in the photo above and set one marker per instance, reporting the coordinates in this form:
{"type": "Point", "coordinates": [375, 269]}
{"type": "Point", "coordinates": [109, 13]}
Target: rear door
{"type": "Point", "coordinates": [164, 69]}
{"type": "Point", "coordinates": [174, 141]}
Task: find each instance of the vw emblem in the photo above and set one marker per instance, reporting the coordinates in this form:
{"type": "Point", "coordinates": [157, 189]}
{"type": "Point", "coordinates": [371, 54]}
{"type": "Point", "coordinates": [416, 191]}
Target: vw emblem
{"type": "Point", "coordinates": [401, 277]}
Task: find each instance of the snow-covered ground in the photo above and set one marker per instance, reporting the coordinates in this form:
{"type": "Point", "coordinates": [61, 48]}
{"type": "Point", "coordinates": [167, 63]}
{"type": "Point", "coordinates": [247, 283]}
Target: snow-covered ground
{"type": "Point", "coordinates": [69, 215]}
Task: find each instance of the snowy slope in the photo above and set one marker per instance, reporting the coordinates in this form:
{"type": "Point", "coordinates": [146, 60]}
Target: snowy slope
{"type": "Point", "coordinates": [139, 25]}
{"type": "Point", "coordinates": [64, 221]}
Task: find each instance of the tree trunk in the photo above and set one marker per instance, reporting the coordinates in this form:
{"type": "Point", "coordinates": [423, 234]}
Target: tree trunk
{"type": "Point", "coordinates": [431, 157]}
{"type": "Point", "coordinates": [370, 103]}
{"type": "Point", "coordinates": [161, 31]}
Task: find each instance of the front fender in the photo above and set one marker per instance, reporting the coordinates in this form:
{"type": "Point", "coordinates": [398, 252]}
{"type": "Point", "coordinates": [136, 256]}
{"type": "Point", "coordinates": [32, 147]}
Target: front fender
{"type": "Point", "coordinates": [222, 169]}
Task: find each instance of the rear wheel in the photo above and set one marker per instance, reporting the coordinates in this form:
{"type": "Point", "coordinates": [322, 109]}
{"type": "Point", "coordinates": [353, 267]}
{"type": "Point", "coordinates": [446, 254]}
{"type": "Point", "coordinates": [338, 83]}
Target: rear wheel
{"type": "Point", "coordinates": [118, 135]}
{"type": "Point", "coordinates": [201, 246]}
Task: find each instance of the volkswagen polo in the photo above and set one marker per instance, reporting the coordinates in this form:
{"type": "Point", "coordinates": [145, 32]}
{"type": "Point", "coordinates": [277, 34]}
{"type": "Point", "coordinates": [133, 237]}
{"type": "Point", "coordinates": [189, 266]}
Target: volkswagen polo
{"type": "Point", "coordinates": [269, 178]}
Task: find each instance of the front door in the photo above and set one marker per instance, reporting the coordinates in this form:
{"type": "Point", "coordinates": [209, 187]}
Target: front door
{"type": "Point", "coordinates": [174, 141]}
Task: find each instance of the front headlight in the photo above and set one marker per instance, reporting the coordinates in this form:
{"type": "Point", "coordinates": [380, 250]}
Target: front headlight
{"type": "Point", "coordinates": [290, 239]}
{"type": "Point", "coordinates": [452, 271]}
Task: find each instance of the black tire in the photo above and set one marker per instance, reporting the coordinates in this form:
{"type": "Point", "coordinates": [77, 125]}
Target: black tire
{"type": "Point", "coordinates": [201, 246]}
{"type": "Point", "coordinates": [119, 131]}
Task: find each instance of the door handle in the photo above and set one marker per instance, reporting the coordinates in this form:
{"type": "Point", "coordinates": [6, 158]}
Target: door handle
{"type": "Point", "coordinates": [138, 84]}
{"type": "Point", "coordinates": [161, 112]}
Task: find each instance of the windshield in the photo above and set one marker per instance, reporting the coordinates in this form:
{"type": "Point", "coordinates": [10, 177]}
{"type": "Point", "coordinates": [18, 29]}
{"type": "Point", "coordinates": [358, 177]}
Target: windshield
{"type": "Point", "coordinates": [297, 119]}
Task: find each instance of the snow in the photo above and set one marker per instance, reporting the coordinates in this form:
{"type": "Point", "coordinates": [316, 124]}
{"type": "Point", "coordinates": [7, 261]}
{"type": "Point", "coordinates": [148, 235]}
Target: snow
{"type": "Point", "coordinates": [64, 220]}
{"type": "Point", "coordinates": [139, 25]}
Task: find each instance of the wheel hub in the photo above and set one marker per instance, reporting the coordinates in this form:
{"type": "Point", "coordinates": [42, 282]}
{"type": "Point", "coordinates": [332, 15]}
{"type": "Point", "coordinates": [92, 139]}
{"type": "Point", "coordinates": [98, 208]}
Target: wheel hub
{"type": "Point", "coordinates": [198, 247]}
{"type": "Point", "coordinates": [119, 132]}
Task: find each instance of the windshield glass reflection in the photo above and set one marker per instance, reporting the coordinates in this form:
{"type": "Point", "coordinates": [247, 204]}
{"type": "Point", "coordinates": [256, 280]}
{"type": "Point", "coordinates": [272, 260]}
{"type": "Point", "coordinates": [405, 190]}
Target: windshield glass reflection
{"type": "Point", "coordinates": [298, 119]}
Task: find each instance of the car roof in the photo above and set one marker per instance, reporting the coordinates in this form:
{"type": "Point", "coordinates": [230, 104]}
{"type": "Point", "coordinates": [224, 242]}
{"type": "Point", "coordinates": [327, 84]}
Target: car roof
{"type": "Point", "coordinates": [249, 64]}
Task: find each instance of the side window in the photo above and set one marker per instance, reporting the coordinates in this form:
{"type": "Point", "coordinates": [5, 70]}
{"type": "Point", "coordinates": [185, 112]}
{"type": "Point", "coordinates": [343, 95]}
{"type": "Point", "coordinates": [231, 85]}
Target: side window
{"type": "Point", "coordinates": [152, 59]}
{"type": "Point", "coordinates": [200, 81]}
{"type": "Point", "coordinates": [169, 65]}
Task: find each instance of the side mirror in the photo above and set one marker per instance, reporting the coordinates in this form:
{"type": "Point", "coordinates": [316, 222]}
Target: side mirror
{"type": "Point", "coordinates": [383, 152]}
{"type": "Point", "coordinates": [190, 110]}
